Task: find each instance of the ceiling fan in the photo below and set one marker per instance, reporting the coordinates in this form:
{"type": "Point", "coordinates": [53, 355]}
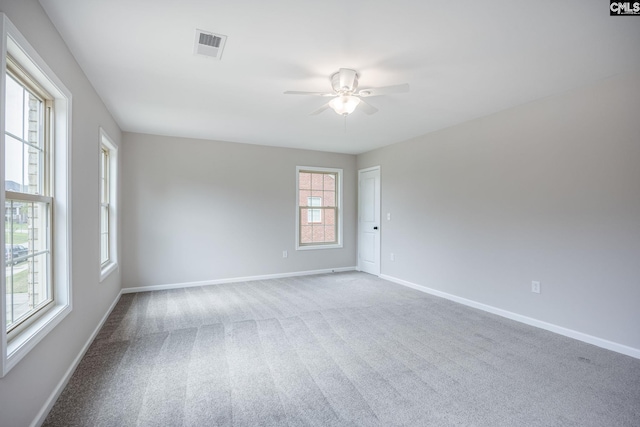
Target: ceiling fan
{"type": "Point", "coordinates": [346, 96]}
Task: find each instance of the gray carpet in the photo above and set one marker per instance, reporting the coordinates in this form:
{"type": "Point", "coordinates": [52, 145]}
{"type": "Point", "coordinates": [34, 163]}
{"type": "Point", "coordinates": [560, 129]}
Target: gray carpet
{"type": "Point", "coordinates": [344, 349]}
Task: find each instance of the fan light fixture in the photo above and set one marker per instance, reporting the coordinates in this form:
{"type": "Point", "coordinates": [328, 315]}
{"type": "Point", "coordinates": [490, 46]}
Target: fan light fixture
{"type": "Point", "coordinates": [344, 104]}
{"type": "Point", "coordinates": [346, 96]}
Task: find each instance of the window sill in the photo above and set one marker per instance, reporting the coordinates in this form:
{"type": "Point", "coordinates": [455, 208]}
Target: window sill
{"type": "Point", "coordinates": [312, 248]}
{"type": "Point", "coordinates": [20, 345]}
{"type": "Point", "coordinates": [107, 270]}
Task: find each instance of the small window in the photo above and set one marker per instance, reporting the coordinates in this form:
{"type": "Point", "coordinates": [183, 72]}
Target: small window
{"type": "Point", "coordinates": [108, 173]}
{"type": "Point", "coordinates": [318, 214]}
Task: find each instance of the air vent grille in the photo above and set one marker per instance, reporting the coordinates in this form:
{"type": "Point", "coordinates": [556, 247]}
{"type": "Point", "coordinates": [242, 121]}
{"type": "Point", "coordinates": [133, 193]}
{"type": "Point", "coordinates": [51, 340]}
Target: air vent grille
{"type": "Point", "coordinates": [210, 40]}
{"type": "Point", "coordinates": [209, 44]}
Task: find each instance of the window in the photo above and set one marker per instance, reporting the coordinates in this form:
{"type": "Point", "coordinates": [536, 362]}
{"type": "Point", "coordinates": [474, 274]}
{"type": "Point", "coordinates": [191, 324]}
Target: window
{"type": "Point", "coordinates": [34, 140]}
{"type": "Point", "coordinates": [28, 198]}
{"type": "Point", "coordinates": [108, 171]}
{"type": "Point", "coordinates": [104, 206]}
{"type": "Point", "coordinates": [318, 208]}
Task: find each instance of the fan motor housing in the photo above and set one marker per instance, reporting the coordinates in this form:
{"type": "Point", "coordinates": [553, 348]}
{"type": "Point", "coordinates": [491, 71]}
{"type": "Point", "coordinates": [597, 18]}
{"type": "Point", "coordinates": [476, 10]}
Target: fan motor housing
{"type": "Point", "coordinates": [335, 83]}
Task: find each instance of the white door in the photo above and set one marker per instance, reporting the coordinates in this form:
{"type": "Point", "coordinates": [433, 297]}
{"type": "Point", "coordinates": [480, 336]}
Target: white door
{"type": "Point", "coordinates": [369, 220]}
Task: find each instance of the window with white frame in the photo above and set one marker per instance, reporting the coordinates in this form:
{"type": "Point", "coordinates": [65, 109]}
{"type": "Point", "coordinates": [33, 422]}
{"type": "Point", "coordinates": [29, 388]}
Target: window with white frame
{"type": "Point", "coordinates": [104, 205]}
{"type": "Point", "coordinates": [34, 140]}
{"type": "Point", "coordinates": [318, 208]}
{"type": "Point", "coordinates": [108, 172]}
{"type": "Point", "coordinates": [28, 196]}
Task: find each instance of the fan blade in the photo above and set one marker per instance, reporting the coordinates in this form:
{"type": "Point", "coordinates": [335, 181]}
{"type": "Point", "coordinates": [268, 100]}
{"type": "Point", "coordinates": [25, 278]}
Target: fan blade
{"type": "Point", "coordinates": [367, 108]}
{"type": "Point", "coordinates": [384, 90]}
{"type": "Point", "coordinates": [320, 110]}
{"type": "Point", "coordinates": [297, 92]}
{"type": "Point", "coordinates": [347, 78]}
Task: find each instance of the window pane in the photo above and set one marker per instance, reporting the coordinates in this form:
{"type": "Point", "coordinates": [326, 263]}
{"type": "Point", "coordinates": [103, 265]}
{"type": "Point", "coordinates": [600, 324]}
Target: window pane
{"type": "Point", "coordinates": [318, 234]}
{"type": "Point", "coordinates": [103, 186]}
{"type": "Point", "coordinates": [318, 226]}
{"type": "Point", "coordinates": [104, 175]}
{"type": "Point", "coordinates": [304, 182]}
{"type": "Point", "coordinates": [32, 172]}
{"type": "Point", "coordinates": [27, 252]}
{"type": "Point", "coordinates": [104, 218]}
{"type": "Point", "coordinates": [314, 201]}
{"type": "Point", "coordinates": [15, 165]}
{"type": "Point", "coordinates": [329, 182]}
{"type": "Point", "coordinates": [38, 280]}
{"type": "Point", "coordinates": [329, 234]}
{"type": "Point", "coordinates": [303, 196]}
{"type": "Point", "coordinates": [14, 108]}
{"type": "Point", "coordinates": [329, 198]}
{"type": "Point", "coordinates": [30, 287]}
{"type": "Point", "coordinates": [317, 197]}
{"type": "Point", "coordinates": [18, 234]}
{"type": "Point", "coordinates": [9, 216]}
{"type": "Point", "coordinates": [306, 234]}
{"type": "Point", "coordinates": [24, 152]}
{"type": "Point", "coordinates": [33, 119]}
{"type": "Point", "coordinates": [317, 180]}
{"type": "Point", "coordinates": [330, 217]}
{"type": "Point", "coordinates": [104, 248]}
{"type": "Point", "coordinates": [26, 225]}
{"type": "Point", "coordinates": [13, 300]}
{"type": "Point", "coordinates": [38, 230]}
{"type": "Point", "coordinates": [304, 216]}
{"type": "Point", "coordinates": [315, 215]}
{"type": "Point", "coordinates": [104, 234]}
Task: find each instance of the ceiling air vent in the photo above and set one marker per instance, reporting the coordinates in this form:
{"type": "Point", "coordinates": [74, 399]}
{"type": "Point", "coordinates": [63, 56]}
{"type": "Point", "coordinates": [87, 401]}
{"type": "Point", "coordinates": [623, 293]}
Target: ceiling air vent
{"type": "Point", "coordinates": [209, 44]}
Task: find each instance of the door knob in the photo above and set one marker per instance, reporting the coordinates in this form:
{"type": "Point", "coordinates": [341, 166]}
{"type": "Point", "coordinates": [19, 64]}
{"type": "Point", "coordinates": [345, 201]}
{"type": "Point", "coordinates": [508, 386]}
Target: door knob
{"type": "Point", "coordinates": [375, 228]}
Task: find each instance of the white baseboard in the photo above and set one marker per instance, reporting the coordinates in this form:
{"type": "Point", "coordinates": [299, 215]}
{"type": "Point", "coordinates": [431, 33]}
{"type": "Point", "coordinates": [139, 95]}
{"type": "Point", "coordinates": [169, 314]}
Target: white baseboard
{"type": "Point", "coordinates": [590, 339]}
{"type": "Point", "coordinates": [42, 415]}
{"type": "Point", "coordinates": [234, 280]}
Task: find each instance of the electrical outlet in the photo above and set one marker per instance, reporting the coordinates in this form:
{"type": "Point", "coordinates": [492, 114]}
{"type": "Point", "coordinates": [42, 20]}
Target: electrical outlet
{"type": "Point", "coordinates": [389, 216]}
{"type": "Point", "coordinates": [392, 257]}
{"type": "Point", "coordinates": [535, 287]}
{"type": "Point", "coordinates": [285, 254]}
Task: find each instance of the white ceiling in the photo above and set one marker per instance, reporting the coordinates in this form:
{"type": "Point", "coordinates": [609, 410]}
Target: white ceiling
{"type": "Point", "coordinates": [462, 59]}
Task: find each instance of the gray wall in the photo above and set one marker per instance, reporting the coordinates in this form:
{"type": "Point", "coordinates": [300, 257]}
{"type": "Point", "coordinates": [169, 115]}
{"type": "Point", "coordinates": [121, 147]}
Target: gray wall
{"type": "Point", "coordinates": [25, 389]}
{"type": "Point", "coordinates": [198, 210]}
{"type": "Point", "coordinates": [548, 191]}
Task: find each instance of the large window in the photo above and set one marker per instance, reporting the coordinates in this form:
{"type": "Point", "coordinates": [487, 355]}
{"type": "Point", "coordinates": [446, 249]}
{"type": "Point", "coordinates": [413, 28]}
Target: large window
{"type": "Point", "coordinates": [318, 216]}
{"type": "Point", "coordinates": [108, 185]}
{"type": "Point", "coordinates": [35, 291]}
{"type": "Point", "coordinates": [28, 197]}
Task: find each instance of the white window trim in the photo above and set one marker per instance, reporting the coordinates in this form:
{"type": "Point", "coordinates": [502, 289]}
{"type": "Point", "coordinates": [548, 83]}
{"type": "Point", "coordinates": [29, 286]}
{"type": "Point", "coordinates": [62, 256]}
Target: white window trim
{"type": "Point", "coordinates": [112, 265]}
{"type": "Point", "coordinates": [12, 351]}
{"type": "Point", "coordinates": [338, 202]}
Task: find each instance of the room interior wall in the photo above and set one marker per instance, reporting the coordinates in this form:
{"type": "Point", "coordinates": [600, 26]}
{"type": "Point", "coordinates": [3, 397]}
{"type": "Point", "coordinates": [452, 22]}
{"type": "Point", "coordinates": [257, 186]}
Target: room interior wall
{"type": "Point", "coordinates": [548, 191]}
{"type": "Point", "coordinates": [196, 210]}
{"type": "Point", "coordinates": [25, 390]}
